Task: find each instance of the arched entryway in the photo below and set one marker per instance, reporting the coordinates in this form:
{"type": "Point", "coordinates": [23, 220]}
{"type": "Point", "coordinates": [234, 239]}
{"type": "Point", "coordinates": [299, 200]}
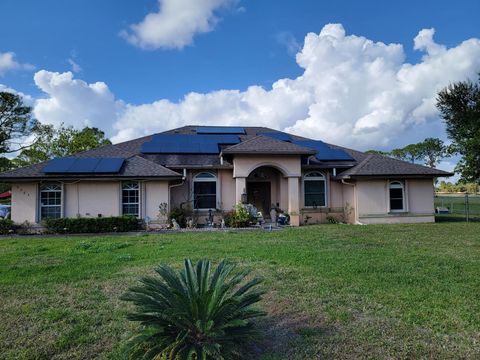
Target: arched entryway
{"type": "Point", "coordinates": [266, 187]}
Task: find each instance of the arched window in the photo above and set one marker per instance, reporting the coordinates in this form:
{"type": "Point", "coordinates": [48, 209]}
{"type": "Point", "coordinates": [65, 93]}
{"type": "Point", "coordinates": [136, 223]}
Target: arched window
{"type": "Point", "coordinates": [131, 198]}
{"type": "Point", "coordinates": [397, 196]}
{"type": "Point", "coordinates": [314, 186]}
{"type": "Point", "coordinates": [51, 200]}
{"type": "Point", "coordinates": [204, 191]}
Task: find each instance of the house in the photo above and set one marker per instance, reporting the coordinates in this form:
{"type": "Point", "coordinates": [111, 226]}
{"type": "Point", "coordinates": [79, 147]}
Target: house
{"type": "Point", "coordinates": [210, 169]}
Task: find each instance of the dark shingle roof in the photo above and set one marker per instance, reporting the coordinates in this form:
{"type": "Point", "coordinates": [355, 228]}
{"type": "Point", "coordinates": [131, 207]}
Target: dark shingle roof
{"type": "Point", "coordinates": [267, 145]}
{"type": "Point", "coordinates": [134, 166]}
{"type": "Point", "coordinates": [380, 165]}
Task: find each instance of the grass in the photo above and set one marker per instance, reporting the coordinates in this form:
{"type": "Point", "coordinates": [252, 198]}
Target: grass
{"type": "Point", "coordinates": [334, 291]}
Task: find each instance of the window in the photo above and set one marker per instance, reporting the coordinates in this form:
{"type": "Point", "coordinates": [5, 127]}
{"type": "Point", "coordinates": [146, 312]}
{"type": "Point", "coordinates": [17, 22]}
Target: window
{"type": "Point", "coordinates": [396, 196]}
{"type": "Point", "coordinates": [204, 191]}
{"type": "Point", "coordinates": [131, 198]}
{"type": "Point", "coordinates": [50, 201]}
{"type": "Point", "coordinates": [314, 189]}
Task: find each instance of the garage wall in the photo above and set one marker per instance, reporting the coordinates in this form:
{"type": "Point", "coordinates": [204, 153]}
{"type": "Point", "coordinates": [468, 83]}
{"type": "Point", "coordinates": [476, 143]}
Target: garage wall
{"type": "Point", "coordinates": [156, 193]}
{"type": "Point", "coordinates": [24, 202]}
{"type": "Point", "coordinates": [91, 198]}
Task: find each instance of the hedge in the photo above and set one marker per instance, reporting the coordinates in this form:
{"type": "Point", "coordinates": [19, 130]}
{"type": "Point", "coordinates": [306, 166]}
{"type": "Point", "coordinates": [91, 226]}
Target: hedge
{"type": "Point", "coordinates": [6, 226]}
{"type": "Point", "coordinates": [92, 225]}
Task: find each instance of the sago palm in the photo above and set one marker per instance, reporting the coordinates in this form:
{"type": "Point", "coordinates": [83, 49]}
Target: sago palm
{"type": "Point", "coordinates": [195, 313]}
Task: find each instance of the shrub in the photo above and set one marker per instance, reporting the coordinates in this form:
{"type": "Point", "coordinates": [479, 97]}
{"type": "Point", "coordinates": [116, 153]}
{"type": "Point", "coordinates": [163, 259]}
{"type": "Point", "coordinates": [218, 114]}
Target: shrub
{"type": "Point", "coordinates": [92, 225]}
{"type": "Point", "coordinates": [194, 313]}
{"type": "Point", "coordinates": [180, 215]}
{"type": "Point", "coordinates": [239, 217]}
{"type": "Point", "coordinates": [6, 226]}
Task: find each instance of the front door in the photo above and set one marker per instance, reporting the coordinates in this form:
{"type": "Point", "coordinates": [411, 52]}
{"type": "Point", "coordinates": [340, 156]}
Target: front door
{"type": "Point", "coordinates": [258, 194]}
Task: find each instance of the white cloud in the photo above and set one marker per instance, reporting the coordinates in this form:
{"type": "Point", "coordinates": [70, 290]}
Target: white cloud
{"type": "Point", "coordinates": [353, 92]}
{"type": "Point", "coordinates": [75, 102]}
{"type": "Point", "coordinates": [8, 63]}
{"type": "Point", "coordinates": [176, 23]}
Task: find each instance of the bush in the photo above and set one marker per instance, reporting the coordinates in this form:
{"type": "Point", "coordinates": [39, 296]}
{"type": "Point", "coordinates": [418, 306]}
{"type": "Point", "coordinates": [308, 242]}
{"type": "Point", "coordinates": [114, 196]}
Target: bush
{"type": "Point", "coordinates": [6, 226]}
{"type": "Point", "coordinates": [92, 225]}
{"type": "Point", "coordinates": [180, 215]}
{"type": "Point", "coordinates": [239, 217]}
{"type": "Point", "coordinates": [194, 313]}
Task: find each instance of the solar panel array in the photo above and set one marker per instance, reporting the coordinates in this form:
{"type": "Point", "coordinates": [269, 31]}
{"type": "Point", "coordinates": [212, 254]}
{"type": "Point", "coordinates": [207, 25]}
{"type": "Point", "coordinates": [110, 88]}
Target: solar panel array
{"type": "Point", "coordinates": [220, 130]}
{"type": "Point", "coordinates": [276, 135]}
{"type": "Point", "coordinates": [83, 165]}
{"type": "Point", "coordinates": [209, 142]}
{"type": "Point", "coordinates": [324, 152]}
{"type": "Point", "coordinates": [188, 143]}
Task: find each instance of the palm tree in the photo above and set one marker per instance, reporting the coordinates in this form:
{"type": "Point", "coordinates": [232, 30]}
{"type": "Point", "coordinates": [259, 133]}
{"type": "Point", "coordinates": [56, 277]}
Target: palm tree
{"type": "Point", "coordinates": [195, 313]}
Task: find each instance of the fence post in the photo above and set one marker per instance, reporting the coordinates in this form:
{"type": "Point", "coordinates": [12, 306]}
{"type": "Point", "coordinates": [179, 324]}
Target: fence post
{"type": "Point", "coordinates": [467, 207]}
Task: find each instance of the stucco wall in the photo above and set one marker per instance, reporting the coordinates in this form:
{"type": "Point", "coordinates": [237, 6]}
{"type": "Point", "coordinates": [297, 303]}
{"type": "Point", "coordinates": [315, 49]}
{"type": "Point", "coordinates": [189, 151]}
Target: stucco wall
{"type": "Point", "coordinates": [245, 164]}
{"type": "Point", "coordinates": [373, 202]}
{"type": "Point", "coordinates": [155, 193]}
{"type": "Point", "coordinates": [227, 189]}
{"type": "Point", "coordinates": [349, 203]}
{"type": "Point", "coordinates": [24, 202]}
{"type": "Point", "coordinates": [421, 193]}
{"type": "Point", "coordinates": [372, 197]}
{"type": "Point", "coordinates": [91, 198]}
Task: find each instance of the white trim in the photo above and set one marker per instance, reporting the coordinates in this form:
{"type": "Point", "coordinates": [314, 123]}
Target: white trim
{"type": "Point", "coordinates": [323, 178]}
{"type": "Point", "coordinates": [396, 184]}
{"type": "Point", "coordinates": [139, 203]}
{"type": "Point", "coordinates": [212, 178]}
{"type": "Point", "coordinates": [39, 197]}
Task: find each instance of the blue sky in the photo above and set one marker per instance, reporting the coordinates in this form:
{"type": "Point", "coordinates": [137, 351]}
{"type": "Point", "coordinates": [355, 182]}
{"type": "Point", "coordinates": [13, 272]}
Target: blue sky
{"type": "Point", "coordinates": [341, 71]}
{"type": "Point", "coordinates": [245, 48]}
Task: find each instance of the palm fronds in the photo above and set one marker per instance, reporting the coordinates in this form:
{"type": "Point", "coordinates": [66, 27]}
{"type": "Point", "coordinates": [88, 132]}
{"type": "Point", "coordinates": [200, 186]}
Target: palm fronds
{"type": "Point", "coordinates": [195, 313]}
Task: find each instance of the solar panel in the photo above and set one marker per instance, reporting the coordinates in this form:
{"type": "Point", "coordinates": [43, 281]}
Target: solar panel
{"type": "Point", "coordinates": [180, 148]}
{"type": "Point", "coordinates": [324, 152]}
{"type": "Point", "coordinates": [84, 165]}
{"type": "Point", "coordinates": [219, 138]}
{"type": "Point", "coordinates": [72, 165]}
{"type": "Point", "coordinates": [276, 135]}
{"type": "Point", "coordinates": [188, 143]}
{"type": "Point", "coordinates": [220, 130]}
{"type": "Point", "coordinates": [109, 165]}
{"type": "Point", "coordinates": [58, 165]}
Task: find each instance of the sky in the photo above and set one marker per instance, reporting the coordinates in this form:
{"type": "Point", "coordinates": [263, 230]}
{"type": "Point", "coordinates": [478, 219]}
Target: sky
{"type": "Point", "coordinates": [362, 74]}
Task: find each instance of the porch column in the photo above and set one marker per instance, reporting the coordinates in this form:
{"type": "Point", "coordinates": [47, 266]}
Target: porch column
{"type": "Point", "coordinates": [240, 188]}
{"type": "Point", "coordinates": [293, 201]}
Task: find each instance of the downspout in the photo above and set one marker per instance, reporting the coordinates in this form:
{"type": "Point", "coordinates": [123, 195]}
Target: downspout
{"type": "Point", "coordinates": [184, 176]}
{"type": "Point", "coordinates": [354, 199]}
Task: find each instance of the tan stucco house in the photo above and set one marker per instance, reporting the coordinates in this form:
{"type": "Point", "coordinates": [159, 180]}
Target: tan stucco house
{"type": "Point", "coordinates": [210, 169]}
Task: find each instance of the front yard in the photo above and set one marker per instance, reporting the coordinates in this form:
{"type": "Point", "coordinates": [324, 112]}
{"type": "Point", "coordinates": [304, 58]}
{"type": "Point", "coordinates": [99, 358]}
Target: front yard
{"type": "Point", "coordinates": [334, 291]}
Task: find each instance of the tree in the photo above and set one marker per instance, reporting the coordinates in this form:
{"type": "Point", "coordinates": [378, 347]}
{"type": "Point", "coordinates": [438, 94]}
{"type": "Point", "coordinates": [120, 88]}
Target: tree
{"type": "Point", "coordinates": [408, 153]}
{"type": "Point", "coordinates": [16, 123]}
{"type": "Point", "coordinates": [432, 150]}
{"type": "Point", "coordinates": [377, 152]}
{"type": "Point", "coordinates": [459, 106]}
{"type": "Point", "coordinates": [195, 313]}
{"type": "Point", "coordinates": [62, 141]}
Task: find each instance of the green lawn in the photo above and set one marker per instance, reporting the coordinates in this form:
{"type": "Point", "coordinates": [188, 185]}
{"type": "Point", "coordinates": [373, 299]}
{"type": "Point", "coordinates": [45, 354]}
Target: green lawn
{"type": "Point", "coordinates": [334, 291]}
